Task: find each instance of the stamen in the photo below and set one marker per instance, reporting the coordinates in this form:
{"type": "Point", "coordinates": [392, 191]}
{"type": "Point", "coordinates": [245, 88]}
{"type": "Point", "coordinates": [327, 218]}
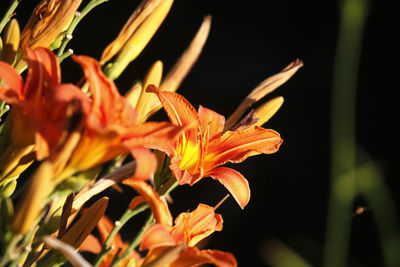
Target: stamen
{"type": "Point", "coordinates": [222, 201]}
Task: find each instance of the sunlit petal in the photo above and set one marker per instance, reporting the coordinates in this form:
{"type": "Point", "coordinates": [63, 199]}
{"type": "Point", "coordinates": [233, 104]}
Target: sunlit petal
{"type": "Point", "coordinates": [91, 244]}
{"type": "Point", "coordinates": [11, 84]}
{"type": "Point", "coordinates": [236, 146]}
{"type": "Point", "coordinates": [158, 207]}
{"type": "Point", "coordinates": [178, 109]}
{"type": "Point", "coordinates": [156, 236]}
{"type": "Point", "coordinates": [146, 163]}
{"type": "Point", "coordinates": [195, 257]}
{"type": "Point", "coordinates": [236, 184]}
{"type": "Point", "coordinates": [109, 108]}
{"type": "Point", "coordinates": [212, 120]}
{"type": "Point", "coordinates": [195, 226]}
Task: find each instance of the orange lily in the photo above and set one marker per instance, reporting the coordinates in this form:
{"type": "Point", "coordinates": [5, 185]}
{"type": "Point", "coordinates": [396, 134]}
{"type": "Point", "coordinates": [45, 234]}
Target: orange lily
{"type": "Point", "coordinates": [189, 228]}
{"type": "Point", "coordinates": [200, 151]}
{"type": "Point", "coordinates": [38, 105]}
{"type": "Point", "coordinates": [111, 128]}
{"type": "Point", "coordinates": [93, 245]}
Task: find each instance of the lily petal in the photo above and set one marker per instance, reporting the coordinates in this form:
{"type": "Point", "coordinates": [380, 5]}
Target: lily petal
{"type": "Point", "coordinates": [236, 146]}
{"type": "Point", "coordinates": [195, 257]}
{"type": "Point", "coordinates": [163, 256]}
{"type": "Point", "coordinates": [195, 226]}
{"type": "Point", "coordinates": [180, 112]}
{"type": "Point", "coordinates": [236, 184]}
{"type": "Point", "coordinates": [11, 84]}
{"type": "Point", "coordinates": [178, 109]}
{"type": "Point", "coordinates": [105, 226]}
{"type": "Point", "coordinates": [91, 244]}
{"type": "Point", "coordinates": [156, 236]}
{"type": "Point", "coordinates": [211, 120]}
{"type": "Point", "coordinates": [135, 202]}
{"type": "Point", "coordinates": [109, 108]}
{"type": "Point", "coordinates": [155, 135]}
{"type": "Point", "coordinates": [43, 73]}
{"type": "Point", "coordinates": [158, 207]}
{"type": "Point", "coordinates": [146, 163]}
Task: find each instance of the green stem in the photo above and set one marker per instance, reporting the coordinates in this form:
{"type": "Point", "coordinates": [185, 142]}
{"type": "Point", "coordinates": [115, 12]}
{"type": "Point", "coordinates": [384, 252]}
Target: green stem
{"type": "Point", "coordinates": [3, 108]}
{"type": "Point", "coordinates": [65, 55]}
{"type": "Point", "coordinates": [7, 16]}
{"type": "Point", "coordinates": [169, 185]}
{"type": "Point", "coordinates": [117, 227]}
{"type": "Point", "coordinates": [343, 145]}
{"type": "Point", "coordinates": [134, 243]}
{"type": "Point", "coordinates": [10, 250]}
{"type": "Point", "coordinates": [371, 185]}
{"type": "Point", "coordinates": [78, 17]}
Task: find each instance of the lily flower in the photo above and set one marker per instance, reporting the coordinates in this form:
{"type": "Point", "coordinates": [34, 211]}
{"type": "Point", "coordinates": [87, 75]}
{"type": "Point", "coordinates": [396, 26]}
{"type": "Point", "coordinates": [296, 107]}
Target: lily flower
{"type": "Point", "coordinates": [201, 150]}
{"type": "Point", "coordinates": [111, 128]}
{"type": "Point", "coordinates": [38, 105]}
{"type": "Point", "coordinates": [189, 229]}
{"type": "Point", "coordinates": [158, 207]}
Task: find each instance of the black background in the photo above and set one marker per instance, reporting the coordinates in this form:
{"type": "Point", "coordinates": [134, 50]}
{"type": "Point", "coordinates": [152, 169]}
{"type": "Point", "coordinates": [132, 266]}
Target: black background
{"type": "Point", "coordinates": [249, 41]}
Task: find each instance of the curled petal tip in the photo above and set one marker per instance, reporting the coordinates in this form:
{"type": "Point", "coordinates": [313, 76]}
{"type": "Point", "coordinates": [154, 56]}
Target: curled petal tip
{"type": "Point", "coordinates": [151, 88]}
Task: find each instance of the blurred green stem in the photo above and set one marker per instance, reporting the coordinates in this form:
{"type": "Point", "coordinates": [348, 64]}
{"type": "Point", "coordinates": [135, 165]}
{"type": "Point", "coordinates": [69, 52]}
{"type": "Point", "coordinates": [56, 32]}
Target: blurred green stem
{"type": "Point", "coordinates": [134, 243]}
{"type": "Point", "coordinates": [7, 16]}
{"type": "Point", "coordinates": [78, 17]}
{"type": "Point", "coordinates": [124, 219]}
{"type": "Point", "coordinates": [343, 145]}
{"type": "Point", "coordinates": [370, 184]}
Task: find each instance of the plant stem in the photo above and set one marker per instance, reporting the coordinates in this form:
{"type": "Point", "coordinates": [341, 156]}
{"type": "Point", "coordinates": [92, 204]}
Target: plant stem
{"type": "Point", "coordinates": [117, 227]}
{"type": "Point", "coordinates": [343, 145]}
{"type": "Point", "coordinates": [7, 16]}
{"type": "Point", "coordinates": [78, 17]}
{"type": "Point", "coordinates": [10, 250]}
{"type": "Point", "coordinates": [134, 243]}
{"type": "Point", "coordinates": [371, 185]}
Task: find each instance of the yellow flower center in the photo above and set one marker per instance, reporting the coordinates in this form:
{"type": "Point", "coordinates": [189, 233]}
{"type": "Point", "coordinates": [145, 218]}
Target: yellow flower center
{"type": "Point", "coordinates": [190, 153]}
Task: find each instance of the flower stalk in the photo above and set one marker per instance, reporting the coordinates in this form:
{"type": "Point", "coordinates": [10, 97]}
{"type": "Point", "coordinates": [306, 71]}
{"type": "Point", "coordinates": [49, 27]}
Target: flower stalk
{"type": "Point", "coordinates": [128, 214]}
{"type": "Point", "coordinates": [8, 15]}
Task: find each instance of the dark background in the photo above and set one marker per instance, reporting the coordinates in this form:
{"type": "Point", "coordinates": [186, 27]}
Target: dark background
{"type": "Point", "coordinates": [249, 41]}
